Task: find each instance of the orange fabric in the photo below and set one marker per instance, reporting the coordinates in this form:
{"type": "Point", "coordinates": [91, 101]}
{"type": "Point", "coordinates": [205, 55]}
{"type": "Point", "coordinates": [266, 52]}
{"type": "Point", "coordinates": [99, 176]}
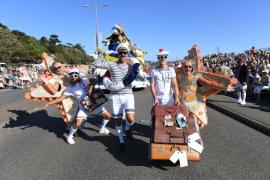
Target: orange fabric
{"type": "Point", "coordinates": [213, 84]}
{"type": "Point", "coordinates": [208, 93]}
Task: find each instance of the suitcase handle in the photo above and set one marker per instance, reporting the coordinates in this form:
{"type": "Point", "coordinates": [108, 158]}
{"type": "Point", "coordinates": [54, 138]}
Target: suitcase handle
{"type": "Point", "coordinates": [172, 112]}
{"type": "Point", "coordinates": [174, 147]}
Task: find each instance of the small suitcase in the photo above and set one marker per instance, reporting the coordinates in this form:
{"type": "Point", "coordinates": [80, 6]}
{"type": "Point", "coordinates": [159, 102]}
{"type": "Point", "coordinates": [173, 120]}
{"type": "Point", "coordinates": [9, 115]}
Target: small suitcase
{"type": "Point", "coordinates": [96, 99]}
{"type": "Point", "coordinates": [166, 139]}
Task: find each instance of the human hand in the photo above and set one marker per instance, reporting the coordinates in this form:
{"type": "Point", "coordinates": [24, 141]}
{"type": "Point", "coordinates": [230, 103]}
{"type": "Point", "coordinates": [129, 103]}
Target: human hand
{"type": "Point", "coordinates": [155, 101]}
{"type": "Point", "coordinates": [43, 79]}
{"type": "Point", "coordinates": [177, 102]}
{"type": "Point", "coordinates": [46, 106]}
{"type": "Point", "coordinates": [141, 75]}
{"type": "Point", "coordinates": [128, 60]}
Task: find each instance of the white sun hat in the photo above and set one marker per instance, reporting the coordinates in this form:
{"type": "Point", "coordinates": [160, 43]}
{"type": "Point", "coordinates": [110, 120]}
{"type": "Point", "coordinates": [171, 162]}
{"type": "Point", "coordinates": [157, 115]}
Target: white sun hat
{"type": "Point", "coordinates": [73, 71]}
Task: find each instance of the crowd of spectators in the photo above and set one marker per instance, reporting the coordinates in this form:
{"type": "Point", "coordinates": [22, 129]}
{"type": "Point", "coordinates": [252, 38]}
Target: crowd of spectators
{"type": "Point", "coordinates": [18, 77]}
{"type": "Point", "coordinates": [258, 65]}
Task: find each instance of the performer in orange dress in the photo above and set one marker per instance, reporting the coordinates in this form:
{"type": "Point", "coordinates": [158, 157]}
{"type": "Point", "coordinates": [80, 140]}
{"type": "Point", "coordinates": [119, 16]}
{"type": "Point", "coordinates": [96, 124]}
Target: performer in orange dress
{"type": "Point", "coordinates": [195, 85]}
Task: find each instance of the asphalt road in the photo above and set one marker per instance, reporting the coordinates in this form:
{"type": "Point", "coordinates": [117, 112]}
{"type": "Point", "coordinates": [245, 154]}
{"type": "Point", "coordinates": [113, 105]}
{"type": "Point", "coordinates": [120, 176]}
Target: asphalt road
{"type": "Point", "coordinates": [32, 147]}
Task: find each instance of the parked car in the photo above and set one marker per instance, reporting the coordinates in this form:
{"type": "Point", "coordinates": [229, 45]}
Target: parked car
{"type": "Point", "coordinates": [140, 84]}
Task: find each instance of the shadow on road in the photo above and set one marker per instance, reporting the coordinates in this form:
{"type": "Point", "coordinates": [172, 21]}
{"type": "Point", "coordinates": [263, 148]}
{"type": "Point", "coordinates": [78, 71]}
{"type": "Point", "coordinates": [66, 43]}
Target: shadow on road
{"type": "Point", "coordinates": [139, 129]}
{"type": "Point", "coordinates": [39, 119]}
{"type": "Point", "coordinates": [136, 153]}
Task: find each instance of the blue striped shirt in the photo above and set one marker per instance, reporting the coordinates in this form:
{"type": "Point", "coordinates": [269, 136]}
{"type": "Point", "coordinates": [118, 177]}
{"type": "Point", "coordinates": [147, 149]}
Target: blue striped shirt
{"type": "Point", "coordinates": [118, 72]}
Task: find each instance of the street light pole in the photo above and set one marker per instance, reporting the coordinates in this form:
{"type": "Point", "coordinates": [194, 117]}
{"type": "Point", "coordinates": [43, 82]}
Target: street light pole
{"type": "Point", "coordinates": [96, 11]}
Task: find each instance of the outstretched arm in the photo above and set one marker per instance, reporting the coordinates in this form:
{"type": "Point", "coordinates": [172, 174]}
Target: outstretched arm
{"type": "Point", "coordinates": [56, 101]}
{"type": "Point", "coordinates": [90, 88]}
{"type": "Point", "coordinates": [213, 84]}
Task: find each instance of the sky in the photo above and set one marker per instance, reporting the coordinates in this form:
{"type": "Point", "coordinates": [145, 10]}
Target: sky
{"type": "Point", "coordinates": [174, 25]}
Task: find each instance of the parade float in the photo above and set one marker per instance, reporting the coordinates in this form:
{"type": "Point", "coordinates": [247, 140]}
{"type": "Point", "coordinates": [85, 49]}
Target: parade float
{"type": "Point", "coordinates": [119, 36]}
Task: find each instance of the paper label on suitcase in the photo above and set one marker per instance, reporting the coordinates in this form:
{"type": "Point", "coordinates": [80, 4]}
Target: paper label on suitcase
{"type": "Point", "coordinates": [175, 157]}
{"type": "Point", "coordinates": [183, 158]}
{"type": "Point", "coordinates": [196, 146]}
{"type": "Point", "coordinates": [194, 137]}
{"type": "Point", "coordinates": [181, 123]}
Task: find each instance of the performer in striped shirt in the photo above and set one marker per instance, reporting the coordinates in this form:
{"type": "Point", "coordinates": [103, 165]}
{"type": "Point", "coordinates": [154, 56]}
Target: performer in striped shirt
{"type": "Point", "coordinates": [121, 98]}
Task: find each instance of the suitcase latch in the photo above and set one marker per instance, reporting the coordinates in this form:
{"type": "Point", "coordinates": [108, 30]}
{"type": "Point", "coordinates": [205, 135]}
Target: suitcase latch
{"type": "Point", "coordinates": [189, 150]}
{"type": "Point", "coordinates": [161, 149]}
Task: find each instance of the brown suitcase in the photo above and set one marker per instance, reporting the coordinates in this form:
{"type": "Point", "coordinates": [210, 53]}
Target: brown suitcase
{"type": "Point", "coordinates": [164, 151]}
{"type": "Point", "coordinates": [166, 140]}
{"type": "Point", "coordinates": [170, 135]}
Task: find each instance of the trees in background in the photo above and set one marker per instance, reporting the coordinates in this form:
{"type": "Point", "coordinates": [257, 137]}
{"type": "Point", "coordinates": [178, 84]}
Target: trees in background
{"type": "Point", "coordinates": [17, 47]}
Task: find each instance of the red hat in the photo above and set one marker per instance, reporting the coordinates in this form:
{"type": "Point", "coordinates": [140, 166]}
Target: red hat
{"type": "Point", "coordinates": [162, 52]}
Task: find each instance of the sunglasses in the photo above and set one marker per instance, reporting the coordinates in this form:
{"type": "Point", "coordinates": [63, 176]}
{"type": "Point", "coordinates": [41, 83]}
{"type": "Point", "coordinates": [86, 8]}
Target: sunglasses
{"type": "Point", "coordinates": [188, 66]}
{"type": "Point", "coordinates": [59, 67]}
{"type": "Point", "coordinates": [165, 57]}
{"type": "Point", "coordinates": [73, 75]}
{"type": "Point", "coordinates": [123, 52]}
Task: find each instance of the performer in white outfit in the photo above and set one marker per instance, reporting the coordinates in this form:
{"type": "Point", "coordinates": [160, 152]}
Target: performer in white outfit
{"type": "Point", "coordinates": [163, 82]}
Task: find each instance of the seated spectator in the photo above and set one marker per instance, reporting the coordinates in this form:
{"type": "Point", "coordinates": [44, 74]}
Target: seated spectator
{"type": "Point", "coordinates": [266, 66]}
{"type": "Point", "coordinates": [257, 87]}
{"type": "Point", "coordinates": [265, 78]}
{"type": "Point", "coordinates": [231, 74]}
{"type": "Point", "coordinates": [261, 83]}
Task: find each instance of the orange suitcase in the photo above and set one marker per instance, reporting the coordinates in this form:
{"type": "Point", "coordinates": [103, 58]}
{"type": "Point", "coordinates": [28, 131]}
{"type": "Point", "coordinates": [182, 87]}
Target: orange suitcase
{"type": "Point", "coordinates": [164, 151]}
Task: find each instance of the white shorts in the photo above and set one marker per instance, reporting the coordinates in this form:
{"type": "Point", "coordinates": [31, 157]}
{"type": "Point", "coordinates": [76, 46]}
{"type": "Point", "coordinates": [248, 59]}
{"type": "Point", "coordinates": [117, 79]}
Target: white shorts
{"type": "Point", "coordinates": [82, 114]}
{"type": "Point", "coordinates": [167, 102]}
{"type": "Point", "coordinates": [239, 86]}
{"type": "Point", "coordinates": [120, 103]}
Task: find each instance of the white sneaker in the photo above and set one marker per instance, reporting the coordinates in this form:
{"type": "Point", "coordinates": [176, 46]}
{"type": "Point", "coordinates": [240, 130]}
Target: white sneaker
{"type": "Point", "coordinates": [104, 131]}
{"type": "Point", "coordinates": [239, 101]}
{"type": "Point", "coordinates": [70, 140]}
{"type": "Point", "coordinates": [243, 103]}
